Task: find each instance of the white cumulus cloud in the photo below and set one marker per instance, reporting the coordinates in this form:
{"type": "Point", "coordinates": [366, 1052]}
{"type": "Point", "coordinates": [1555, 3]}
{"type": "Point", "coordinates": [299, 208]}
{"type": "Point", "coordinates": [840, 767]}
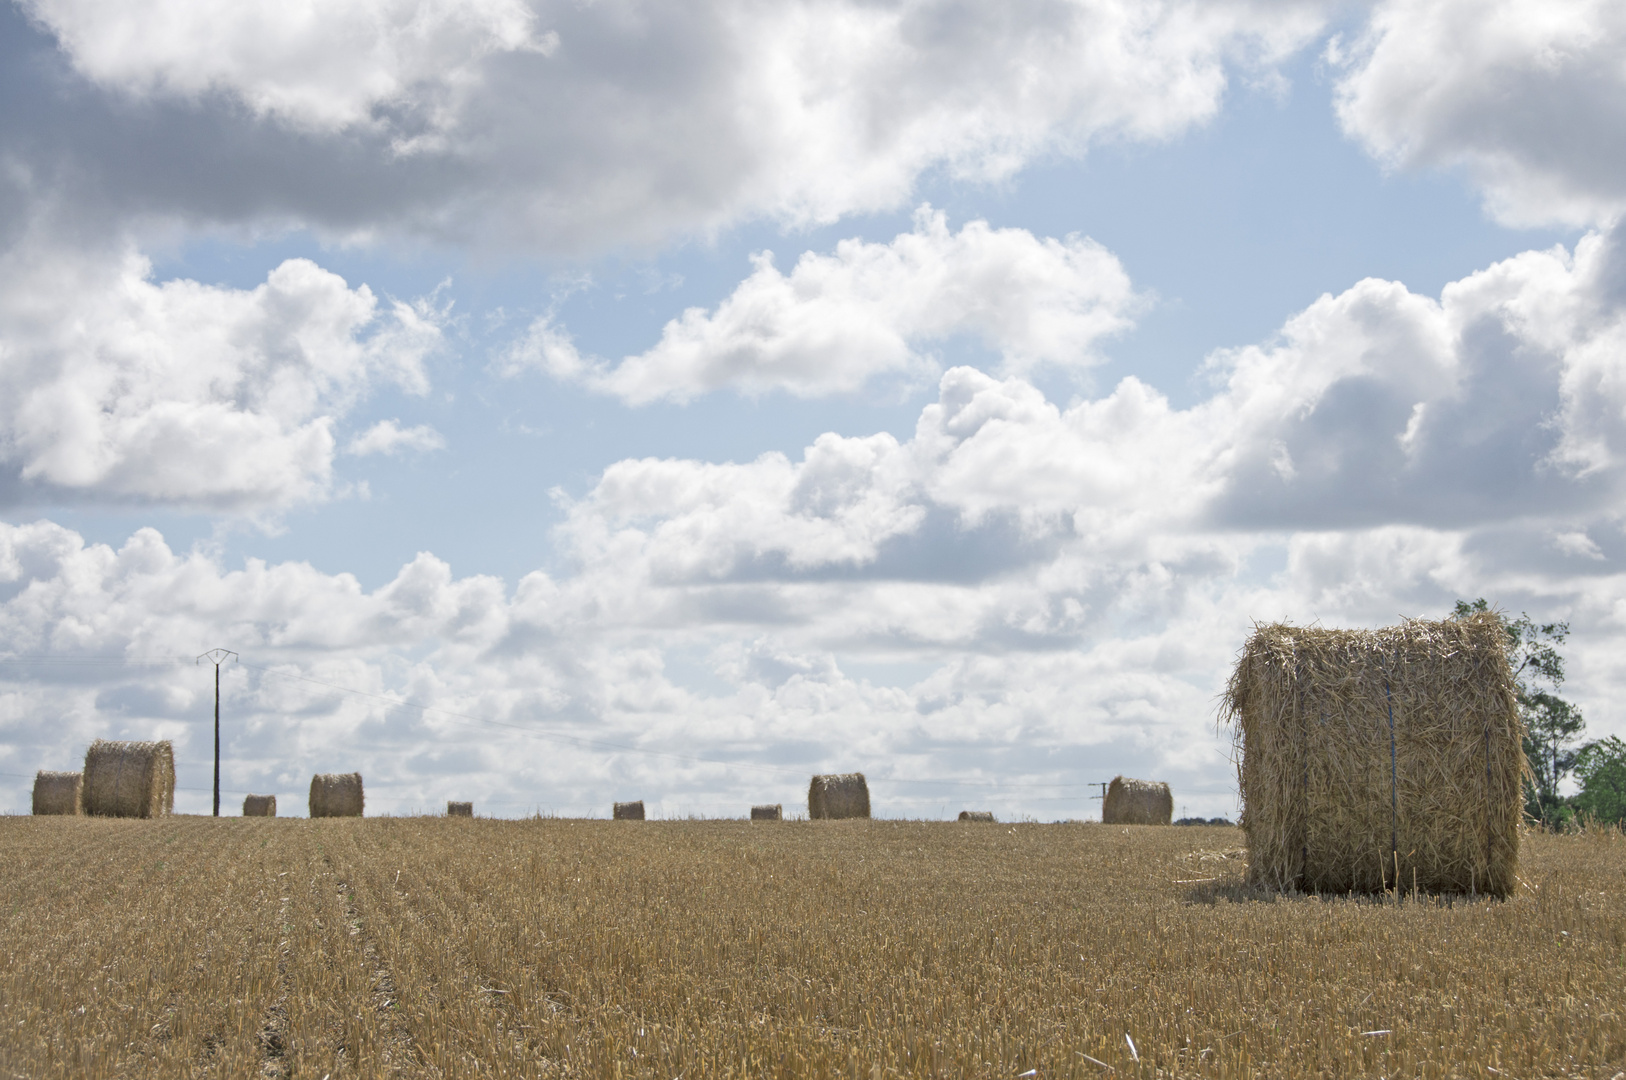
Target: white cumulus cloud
{"type": "Point", "coordinates": [389, 437]}
{"type": "Point", "coordinates": [1528, 96]}
{"type": "Point", "coordinates": [837, 322]}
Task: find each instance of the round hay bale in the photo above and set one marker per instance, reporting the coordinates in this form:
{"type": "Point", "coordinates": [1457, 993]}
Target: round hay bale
{"type": "Point", "coordinates": [838, 795]}
{"type": "Point", "coordinates": [336, 795]}
{"type": "Point", "coordinates": [1375, 758]}
{"type": "Point", "coordinates": [629, 811]}
{"type": "Point", "coordinates": [976, 815]}
{"type": "Point", "coordinates": [459, 809]}
{"type": "Point", "coordinates": [58, 792]}
{"type": "Point", "coordinates": [129, 779]}
{"type": "Point", "coordinates": [776, 812]}
{"type": "Point", "coordinates": [259, 806]}
{"type": "Point", "coordinates": [1137, 802]}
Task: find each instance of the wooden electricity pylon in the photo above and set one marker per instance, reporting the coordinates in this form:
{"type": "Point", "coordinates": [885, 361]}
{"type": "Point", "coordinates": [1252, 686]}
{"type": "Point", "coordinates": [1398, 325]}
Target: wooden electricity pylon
{"type": "Point", "coordinates": [216, 657]}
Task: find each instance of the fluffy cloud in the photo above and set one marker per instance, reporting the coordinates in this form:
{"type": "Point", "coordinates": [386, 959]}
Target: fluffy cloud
{"type": "Point", "coordinates": [389, 437]}
{"type": "Point", "coordinates": [836, 322]}
{"type": "Point", "coordinates": [1529, 97]}
{"type": "Point", "coordinates": [116, 387]}
{"type": "Point", "coordinates": [580, 125]}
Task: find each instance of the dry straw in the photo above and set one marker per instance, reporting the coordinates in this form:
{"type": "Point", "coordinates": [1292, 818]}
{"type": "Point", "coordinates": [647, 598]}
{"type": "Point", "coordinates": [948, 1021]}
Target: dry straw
{"type": "Point", "coordinates": [977, 815]}
{"type": "Point", "coordinates": [838, 795]}
{"type": "Point", "coordinates": [1137, 802]}
{"type": "Point", "coordinates": [259, 806]}
{"type": "Point", "coordinates": [129, 779]}
{"type": "Point", "coordinates": [336, 795]}
{"type": "Point", "coordinates": [1375, 758]}
{"type": "Point", "coordinates": [775, 812]}
{"type": "Point", "coordinates": [459, 809]}
{"type": "Point", "coordinates": [629, 811]}
{"type": "Point", "coordinates": [57, 792]}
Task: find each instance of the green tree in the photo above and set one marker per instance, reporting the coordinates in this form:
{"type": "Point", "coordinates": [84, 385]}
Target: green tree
{"type": "Point", "coordinates": [1601, 769]}
{"type": "Point", "coordinates": [1552, 725]}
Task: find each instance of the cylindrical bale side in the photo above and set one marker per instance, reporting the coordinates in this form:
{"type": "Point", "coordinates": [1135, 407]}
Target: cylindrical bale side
{"type": "Point", "coordinates": [129, 779]}
{"type": "Point", "coordinates": [629, 811]}
{"type": "Point", "coordinates": [775, 812]}
{"type": "Point", "coordinates": [57, 792]}
{"type": "Point", "coordinates": [259, 806]}
{"type": "Point", "coordinates": [336, 795]}
{"type": "Point", "coordinates": [459, 809]}
{"type": "Point", "coordinates": [976, 815]}
{"type": "Point", "coordinates": [1137, 802]}
{"type": "Point", "coordinates": [838, 795]}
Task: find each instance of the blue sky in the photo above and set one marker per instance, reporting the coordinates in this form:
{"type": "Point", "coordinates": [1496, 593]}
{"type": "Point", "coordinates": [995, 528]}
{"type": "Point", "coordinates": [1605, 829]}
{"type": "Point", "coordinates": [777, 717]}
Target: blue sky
{"type": "Point", "coordinates": [1093, 332]}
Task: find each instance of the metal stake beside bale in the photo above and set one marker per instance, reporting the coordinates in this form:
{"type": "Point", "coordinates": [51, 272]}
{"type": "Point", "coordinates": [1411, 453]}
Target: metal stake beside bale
{"type": "Point", "coordinates": [57, 792]}
{"type": "Point", "coordinates": [629, 811]}
{"type": "Point", "coordinates": [1137, 802]}
{"type": "Point", "coordinates": [776, 812]}
{"type": "Point", "coordinates": [259, 806]}
{"type": "Point", "coordinates": [459, 809]}
{"type": "Point", "coordinates": [129, 779]}
{"type": "Point", "coordinates": [976, 815]}
{"type": "Point", "coordinates": [336, 795]}
{"type": "Point", "coordinates": [838, 795]}
{"type": "Point", "coordinates": [1372, 759]}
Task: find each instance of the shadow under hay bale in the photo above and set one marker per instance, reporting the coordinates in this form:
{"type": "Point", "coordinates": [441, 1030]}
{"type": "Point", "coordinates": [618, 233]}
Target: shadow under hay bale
{"type": "Point", "coordinates": [776, 812]}
{"type": "Point", "coordinates": [976, 815]}
{"type": "Point", "coordinates": [129, 779]}
{"type": "Point", "coordinates": [259, 806]}
{"type": "Point", "coordinates": [58, 792]}
{"type": "Point", "coordinates": [1376, 758]}
{"type": "Point", "coordinates": [459, 809]}
{"type": "Point", "coordinates": [838, 795]}
{"type": "Point", "coordinates": [336, 795]}
{"type": "Point", "coordinates": [629, 811]}
{"type": "Point", "coordinates": [1137, 802]}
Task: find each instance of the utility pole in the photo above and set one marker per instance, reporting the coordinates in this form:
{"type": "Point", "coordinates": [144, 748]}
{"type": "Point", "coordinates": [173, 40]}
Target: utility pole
{"type": "Point", "coordinates": [216, 657]}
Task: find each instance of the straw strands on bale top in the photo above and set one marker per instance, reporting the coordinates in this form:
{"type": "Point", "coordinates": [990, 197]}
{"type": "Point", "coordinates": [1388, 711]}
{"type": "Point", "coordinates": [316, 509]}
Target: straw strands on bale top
{"type": "Point", "coordinates": [775, 812]}
{"type": "Point", "coordinates": [129, 779]}
{"type": "Point", "coordinates": [459, 809]}
{"type": "Point", "coordinates": [629, 811]}
{"type": "Point", "coordinates": [336, 795]}
{"type": "Point", "coordinates": [838, 795]}
{"type": "Point", "coordinates": [1137, 802]}
{"type": "Point", "coordinates": [976, 815]}
{"type": "Point", "coordinates": [259, 806]}
{"type": "Point", "coordinates": [1375, 758]}
{"type": "Point", "coordinates": [57, 792]}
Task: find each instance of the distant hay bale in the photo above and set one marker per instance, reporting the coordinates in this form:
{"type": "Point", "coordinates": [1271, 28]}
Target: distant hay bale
{"type": "Point", "coordinates": [459, 809]}
{"type": "Point", "coordinates": [1137, 802]}
{"type": "Point", "coordinates": [57, 792]}
{"type": "Point", "coordinates": [838, 795]}
{"type": "Point", "coordinates": [259, 806]}
{"type": "Point", "coordinates": [976, 815]}
{"type": "Point", "coordinates": [129, 779]}
{"type": "Point", "coordinates": [336, 795]}
{"type": "Point", "coordinates": [776, 812]}
{"type": "Point", "coordinates": [629, 811]}
{"type": "Point", "coordinates": [1371, 758]}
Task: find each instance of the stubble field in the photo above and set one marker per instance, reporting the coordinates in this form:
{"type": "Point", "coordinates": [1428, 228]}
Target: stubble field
{"type": "Point", "coordinates": [437, 947]}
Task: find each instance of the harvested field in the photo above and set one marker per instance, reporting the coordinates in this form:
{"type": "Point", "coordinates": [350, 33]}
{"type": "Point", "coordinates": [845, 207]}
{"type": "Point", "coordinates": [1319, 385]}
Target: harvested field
{"type": "Point", "coordinates": [425, 947]}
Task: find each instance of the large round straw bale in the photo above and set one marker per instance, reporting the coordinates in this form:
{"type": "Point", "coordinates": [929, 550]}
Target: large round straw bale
{"type": "Point", "coordinates": [259, 806]}
{"type": "Point", "coordinates": [57, 792]}
{"type": "Point", "coordinates": [336, 795]}
{"type": "Point", "coordinates": [629, 811]}
{"type": "Point", "coordinates": [775, 812]}
{"type": "Point", "coordinates": [129, 779]}
{"type": "Point", "coordinates": [1137, 802]}
{"type": "Point", "coordinates": [459, 809]}
{"type": "Point", "coordinates": [1371, 758]}
{"type": "Point", "coordinates": [976, 815]}
{"type": "Point", "coordinates": [838, 795]}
